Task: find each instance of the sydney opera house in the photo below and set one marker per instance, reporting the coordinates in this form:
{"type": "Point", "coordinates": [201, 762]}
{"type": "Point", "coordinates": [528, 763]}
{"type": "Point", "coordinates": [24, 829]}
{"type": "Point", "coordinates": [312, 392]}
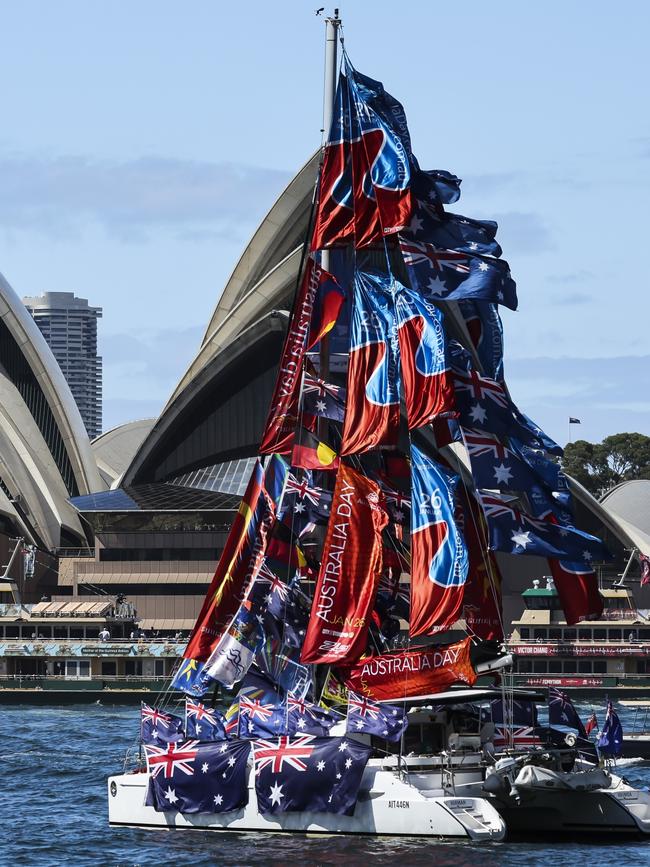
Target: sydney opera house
{"type": "Point", "coordinates": [142, 512]}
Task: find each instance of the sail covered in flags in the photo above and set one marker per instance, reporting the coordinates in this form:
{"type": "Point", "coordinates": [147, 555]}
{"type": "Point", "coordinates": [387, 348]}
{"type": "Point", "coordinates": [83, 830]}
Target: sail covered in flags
{"type": "Point", "coordinates": [394, 465]}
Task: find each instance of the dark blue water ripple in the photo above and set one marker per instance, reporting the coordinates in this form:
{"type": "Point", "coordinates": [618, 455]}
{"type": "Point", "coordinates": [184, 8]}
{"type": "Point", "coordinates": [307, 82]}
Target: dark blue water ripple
{"type": "Point", "coordinates": [54, 763]}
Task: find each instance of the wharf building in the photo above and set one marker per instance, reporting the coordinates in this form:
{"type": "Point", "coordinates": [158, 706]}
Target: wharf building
{"type": "Point", "coordinates": [69, 326]}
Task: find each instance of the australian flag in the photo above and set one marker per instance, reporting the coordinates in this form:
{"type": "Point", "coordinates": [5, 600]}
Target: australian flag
{"type": "Point", "coordinates": [158, 726]}
{"type": "Point", "coordinates": [442, 274]}
{"type": "Point", "coordinates": [486, 333]}
{"type": "Point", "coordinates": [515, 532]}
{"type": "Point", "coordinates": [562, 712]}
{"type": "Point", "coordinates": [204, 723]}
{"type": "Point", "coordinates": [309, 774]}
{"type": "Point", "coordinates": [323, 399]}
{"type": "Point", "coordinates": [287, 614]}
{"type": "Point", "coordinates": [610, 742]}
{"type": "Point", "coordinates": [306, 718]}
{"type": "Point", "coordinates": [305, 500]}
{"type": "Point", "coordinates": [367, 717]}
{"type": "Point", "coordinates": [190, 678]}
{"type": "Point", "coordinates": [196, 777]}
{"type": "Point", "coordinates": [515, 724]}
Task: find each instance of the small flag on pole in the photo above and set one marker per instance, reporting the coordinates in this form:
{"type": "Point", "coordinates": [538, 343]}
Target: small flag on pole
{"type": "Point", "coordinates": [574, 420]}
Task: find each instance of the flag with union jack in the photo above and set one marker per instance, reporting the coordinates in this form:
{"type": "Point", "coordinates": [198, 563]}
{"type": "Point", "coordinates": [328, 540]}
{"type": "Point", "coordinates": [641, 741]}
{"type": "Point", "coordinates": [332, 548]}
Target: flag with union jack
{"type": "Point", "coordinates": [159, 726]}
{"type": "Point", "coordinates": [197, 777]}
{"type": "Point", "coordinates": [204, 723]}
{"type": "Point", "coordinates": [306, 718]}
{"type": "Point", "coordinates": [323, 399]}
{"type": "Point", "coordinates": [442, 274]}
{"type": "Point", "coordinates": [308, 774]}
{"type": "Point", "coordinates": [515, 722]}
{"type": "Point", "coordinates": [365, 716]}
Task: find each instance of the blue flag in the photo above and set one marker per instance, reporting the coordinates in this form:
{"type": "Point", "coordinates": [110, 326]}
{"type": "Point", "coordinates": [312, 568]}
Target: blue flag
{"type": "Point", "coordinates": [323, 399]}
{"type": "Point", "coordinates": [158, 726]}
{"type": "Point", "coordinates": [486, 333]}
{"type": "Point", "coordinates": [610, 742]}
{"type": "Point", "coordinates": [262, 708]}
{"type": "Point", "coordinates": [562, 712]}
{"type": "Point", "coordinates": [306, 718]}
{"type": "Point", "coordinates": [515, 532]}
{"type": "Point", "coordinates": [204, 723]}
{"type": "Point", "coordinates": [367, 717]}
{"type": "Point", "coordinates": [195, 777]}
{"type": "Point", "coordinates": [442, 274]}
{"type": "Point", "coordinates": [309, 774]}
{"type": "Point", "coordinates": [190, 678]}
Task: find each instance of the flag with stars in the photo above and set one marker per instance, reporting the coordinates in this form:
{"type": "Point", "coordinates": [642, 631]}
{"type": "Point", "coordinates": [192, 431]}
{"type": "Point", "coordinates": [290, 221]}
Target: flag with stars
{"type": "Point", "coordinates": [365, 716]}
{"type": "Point", "coordinates": [306, 718]}
{"type": "Point", "coordinates": [515, 532]}
{"type": "Point", "coordinates": [309, 774]}
{"type": "Point", "coordinates": [198, 777]}
{"type": "Point", "coordinates": [305, 502]}
{"type": "Point", "coordinates": [287, 615]}
{"type": "Point", "coordinates": [159, 726]}
{"type": "Point", "coordinates": [562, 712]}
{"type": "Point", "coordinates": [442, 274]}
{"type": "Point", "coordinates": [190, 678]}
{"type": "Point", "coordinates": [323, 399]}
{"type": "Point", "coordinates": [262, 708]}
{"type": "Point", "coordinates": [204, 723]}
{"type": "Point", "coordinates": [610, 742]}
{"type": "Point", "coordinates": [486, 333]}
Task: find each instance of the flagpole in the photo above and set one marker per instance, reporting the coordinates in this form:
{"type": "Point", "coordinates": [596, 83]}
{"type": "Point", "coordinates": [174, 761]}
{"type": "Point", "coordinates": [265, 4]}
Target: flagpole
{"type": "Point", "coordinates": [329, 96]}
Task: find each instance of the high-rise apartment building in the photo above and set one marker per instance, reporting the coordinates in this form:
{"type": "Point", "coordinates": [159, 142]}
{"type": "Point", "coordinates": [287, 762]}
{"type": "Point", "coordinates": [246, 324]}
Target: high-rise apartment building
{"type": "Point", "coordinates": [69, 325]}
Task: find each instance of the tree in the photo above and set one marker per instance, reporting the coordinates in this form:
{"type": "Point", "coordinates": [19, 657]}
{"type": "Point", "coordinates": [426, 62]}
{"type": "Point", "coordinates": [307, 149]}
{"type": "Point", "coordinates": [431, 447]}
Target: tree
{"type": "Point", "coordinates": [599, 466]}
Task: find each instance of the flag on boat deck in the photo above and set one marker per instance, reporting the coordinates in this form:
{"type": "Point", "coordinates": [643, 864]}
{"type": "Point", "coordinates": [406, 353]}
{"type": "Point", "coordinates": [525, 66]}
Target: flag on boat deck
{"type": "Point", "coordinates": [364, 186]}
{"type": "Point", "coordinates": [308, 774]}
{"type": "Point", "coordinates": [441, 274]}
{"type": "Point", "coordinates": [577, 587]}
{"type": "Point", "coordinates": [288, 615]}
{"type": "Point", "coordinates": [306, 718]}
{"type": "Point", "coordinates": [189, 678]}
{"type": "Point", "coordinates": [438, 552]}
{"type": "Point", "coordinates": [203, 723]}
{"type": "Point", "coordinates": [372, 409]}
{"type": "Point", "coordinates": [329, 300]}
{"type": "Point", "coordinates": [334, 690]}
{"type": "Point", "coordinates": [261, 708]}
{"type": "Point", "coordinates": [323, 399]}
{"type": "Point", "coordinates": [349, 574]}
{"type": "Point", "coordinates": [197, 777]}
{"type": "Point", "coordinates": [562, 712]}
{"type": "Point", "coordinates": [610, 742]}
{"type": "Point", "coordinates": [592, 724]}
{"type": "Point", "coordinates": [159, 726]}
{"type": "Point", "coordinates": [367, 717]}
{"type": "Point", "coordinates": [310, 453]}
{"type": "Point", "coordinates": [515, 532]}
{"type": "Point", "coordinates": [515, 723]}
{"type": "Point", "coordinates": [486, 333]}
{"type": "Point", "coordinates": [284, 411]}
{"type": "Point", "coordinates": [411, 673]}
{"type": "Point", "coordinates": [426, 376]}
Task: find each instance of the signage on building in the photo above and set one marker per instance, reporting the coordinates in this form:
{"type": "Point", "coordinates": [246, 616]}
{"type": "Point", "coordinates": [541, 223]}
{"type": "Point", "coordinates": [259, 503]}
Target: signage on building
{"type": "Point", "coordinates": [563, 681]}
{"type": "Point", "coordinates": [586, 650]}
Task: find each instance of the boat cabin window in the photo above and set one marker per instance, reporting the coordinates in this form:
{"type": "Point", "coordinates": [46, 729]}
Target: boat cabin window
{"type": "Point", "coordinates": [424, 739]}
{"type": "Point", "coordinates": [524, 633]}
{"type": "Point", "coordinates": [584, 634]}
{"type": "Point", "coordinates": [12, 631]}
{"type": "Point", "coordinates": [555, 666]}
{"type": "Point", "coordinates": [570, 634]}
{"type": "Point", "coordinates": [60, 632]}
{"type": "Point", "coordinates": [76, 632]}
{"type": "Point", "coordinates": [524, 665]}
{"type": "Point", "coordinates": [584, 666]}
{"type": "Point", "coordinates": [92, 632]}
{"type": "Point", "coordinates": [109, 668]}
{"type": "Point", "coordinates": [539, 665]}
{"type": "Point", "coordinates": [133, 667]}
{"type": "Point", "coordinates": [615, 635]}
{"type": "Point", "coordinates": [539, 633]}
{"type": "Point", "coordinates": [644, 634]}
{"type": "Point", "coordinates": [600, 666]}
{"type": "Point", "coordinates": [600, 634]}
{"type": "Point", "coordinates": [555, 634]}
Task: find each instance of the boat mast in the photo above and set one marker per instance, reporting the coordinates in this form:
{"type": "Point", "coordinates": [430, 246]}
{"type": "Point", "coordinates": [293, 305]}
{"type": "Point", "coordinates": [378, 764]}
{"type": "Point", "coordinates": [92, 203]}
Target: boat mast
{"type": "Point", "coordinates": [329, 96]}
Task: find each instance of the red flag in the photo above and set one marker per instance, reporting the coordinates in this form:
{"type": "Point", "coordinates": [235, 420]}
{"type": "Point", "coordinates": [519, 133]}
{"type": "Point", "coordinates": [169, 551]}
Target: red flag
{"type": "Point", "coordinates": [577, 587]}
{"type": "Point", "coordinates": [283, 416]}
{"type": "Point", "coordinates": [482, 595]}
{"type": "Point", "coordinates": [349, 574]}
{"type": "Point", "coordinates": [413, 673]}
{"type": "Point", "coordinates": [327, 306]}
{"type": "Point", "coordinates": [592, 723]}
{"type": "Point", "coordinates": [224, 593]}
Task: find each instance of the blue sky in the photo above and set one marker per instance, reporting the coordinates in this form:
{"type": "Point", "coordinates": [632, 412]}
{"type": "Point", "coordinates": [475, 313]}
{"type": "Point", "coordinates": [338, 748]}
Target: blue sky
{"type": "Point", "coordinates": [141, 143]}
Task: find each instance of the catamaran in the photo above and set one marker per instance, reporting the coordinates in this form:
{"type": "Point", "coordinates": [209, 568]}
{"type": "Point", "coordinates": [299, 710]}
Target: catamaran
{"type": "Point", "coordinates": [392, 466]}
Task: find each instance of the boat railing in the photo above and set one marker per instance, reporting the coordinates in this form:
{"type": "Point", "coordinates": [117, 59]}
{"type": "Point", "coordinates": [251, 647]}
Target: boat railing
{"type": "Point", "coordinates": [570, 641]}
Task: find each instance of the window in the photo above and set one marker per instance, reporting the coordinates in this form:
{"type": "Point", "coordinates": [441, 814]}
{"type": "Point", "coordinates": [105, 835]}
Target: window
{"type": "Point", "coordinates": [539, 666]}
{"type": "Point", "coordinates": [570, 634]}
{"type": "Point", "coordinates": [524, 633]}
{"type": "Point", "coordinates": [615, 635]}
{"type": "Point", "coordinates": [555, 634]}
{"type": "Point", "coordinates": [555, 666]}
{"type": "Point", "coordinates": [600, 634]}
{"type": "Point", "coordinates": [524, 665]}
{"type": "Point", "coordinates": [584, 666]}
{"type": "Point", "coordinates": [600, 666]}
{"type": "Point", "coordinates": [109, 668]}
{"type": "Point", "coordinates": [60, 632]}
{"type": "Point", "coordinates": [539, 633]}
{"type": "Point", "coordinates": [569, 666]}
{"type": "Point", "coordinates": [76, 632]}
{"type": "Point", "coordinates": [159, 667]}
{"type": "Point", "coordinates": [133, 667]}
{"type": "Point", "coordinates": [584, 634]}
{"type": "Point", "coordinates": [12, 632]}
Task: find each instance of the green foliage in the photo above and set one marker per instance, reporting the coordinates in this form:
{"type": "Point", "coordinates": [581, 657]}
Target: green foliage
{"type": "Point", "coordinates": [599, 466]}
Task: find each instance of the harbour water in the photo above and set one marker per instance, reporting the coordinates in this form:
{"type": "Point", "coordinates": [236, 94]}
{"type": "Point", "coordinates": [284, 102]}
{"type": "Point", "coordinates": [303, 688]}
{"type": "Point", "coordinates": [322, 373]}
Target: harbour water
{"type": "Point", "coordinates": [54, 762]}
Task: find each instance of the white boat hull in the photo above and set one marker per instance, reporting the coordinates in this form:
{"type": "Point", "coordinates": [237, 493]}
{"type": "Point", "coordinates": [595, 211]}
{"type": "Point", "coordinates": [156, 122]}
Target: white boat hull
{"type": "Point", "coordinates": [387, 805]}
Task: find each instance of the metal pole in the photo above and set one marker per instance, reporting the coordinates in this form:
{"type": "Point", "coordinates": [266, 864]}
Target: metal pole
{"type": "Point", "coordinates": [329, 97]}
